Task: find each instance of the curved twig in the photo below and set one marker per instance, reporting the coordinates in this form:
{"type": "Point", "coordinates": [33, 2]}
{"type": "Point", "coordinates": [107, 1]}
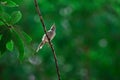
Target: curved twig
{"type": "Point", "coordinates": [44, 27]}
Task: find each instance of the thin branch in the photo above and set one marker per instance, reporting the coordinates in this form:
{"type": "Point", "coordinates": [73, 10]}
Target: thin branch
{"type": "Point", "coordinates": [44, 27]}
{"type": "Point", "coordinates": [7, 26]}
{"type": "Point", "coordinates": [4, 22]}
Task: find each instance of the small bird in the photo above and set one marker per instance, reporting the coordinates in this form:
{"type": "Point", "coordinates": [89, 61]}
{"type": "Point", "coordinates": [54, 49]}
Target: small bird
{"type": "Point", "coordinates": [51, 34]}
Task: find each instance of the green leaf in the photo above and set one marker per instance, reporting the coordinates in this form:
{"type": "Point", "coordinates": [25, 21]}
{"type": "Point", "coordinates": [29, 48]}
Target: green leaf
{"type": "Point", "coordinates": [18, 43]}
{"type": "Point", "coordinates": [1, 23]}
{"type": "Point", "coordinates": [5, 38]}
{"type": "Point", "coordinates": [18, 1]}
{"type": "Point", "coordinates": [10, 45]}
{"type": "Point", "coordinates": [27, 37]}
{"type": "Point", "coordinates": [15, 17]}
{"type": "Point", "coordinates": [4, 16]}
{"type": "Point", "coordinates": [9, 3]}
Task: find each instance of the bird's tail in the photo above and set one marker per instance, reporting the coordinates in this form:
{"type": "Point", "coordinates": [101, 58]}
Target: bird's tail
{"type": "Point", "coordinates": [40, 46]}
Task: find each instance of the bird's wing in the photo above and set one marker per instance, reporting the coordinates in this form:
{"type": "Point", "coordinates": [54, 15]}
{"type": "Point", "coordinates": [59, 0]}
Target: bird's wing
{"type": "Point", "coordinates": [43, 37]}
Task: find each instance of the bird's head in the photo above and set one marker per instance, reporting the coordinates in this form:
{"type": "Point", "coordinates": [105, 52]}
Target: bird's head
{"type": "Point", "coordinates": [53, 27]}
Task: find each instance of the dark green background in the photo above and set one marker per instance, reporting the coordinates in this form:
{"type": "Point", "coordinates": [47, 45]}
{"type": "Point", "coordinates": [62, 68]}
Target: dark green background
{"type": "Point", "coordinates": [87, 41]}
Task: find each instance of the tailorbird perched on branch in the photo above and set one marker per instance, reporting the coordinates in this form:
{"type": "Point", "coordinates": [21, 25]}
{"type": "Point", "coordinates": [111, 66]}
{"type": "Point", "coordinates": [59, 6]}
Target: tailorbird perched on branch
{"type": "Point", "coordinates": [51, 33]}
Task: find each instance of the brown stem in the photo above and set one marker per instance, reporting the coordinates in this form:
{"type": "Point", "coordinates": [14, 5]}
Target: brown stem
{"type": "Point", "coordinates": [44, 27]}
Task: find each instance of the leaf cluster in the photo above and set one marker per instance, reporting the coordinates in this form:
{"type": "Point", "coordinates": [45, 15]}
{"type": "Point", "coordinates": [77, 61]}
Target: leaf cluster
{"type": "Point", "coordinates": [10, 37]}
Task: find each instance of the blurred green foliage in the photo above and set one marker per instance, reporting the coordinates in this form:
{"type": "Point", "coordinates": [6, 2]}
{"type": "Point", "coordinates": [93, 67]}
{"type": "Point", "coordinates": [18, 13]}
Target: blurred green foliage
{"type": "Point", "coordinates": [87, 40]}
